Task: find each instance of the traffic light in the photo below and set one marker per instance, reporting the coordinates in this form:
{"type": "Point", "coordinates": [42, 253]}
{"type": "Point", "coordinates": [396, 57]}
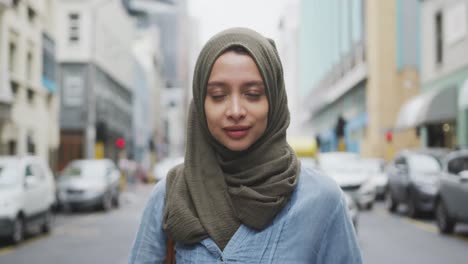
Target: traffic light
{"type": "Point", "coordinates": [120, 143]}
{"type": "Point", "coordinates": [389, 136]}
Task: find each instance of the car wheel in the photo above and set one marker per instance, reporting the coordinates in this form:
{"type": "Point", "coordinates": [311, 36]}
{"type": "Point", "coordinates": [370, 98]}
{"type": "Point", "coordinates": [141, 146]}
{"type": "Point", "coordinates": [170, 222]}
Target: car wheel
{"type": "Point", "coordinates": [47, 225]}
{"type": "Point", "coordinates": [116, 200]}
{"type": "Point", "coordinates": [444, 222]}
{"type": "Point", "coordinates": [390, 202]}
{"type": "Point", "coordinates": [106, 202]}
{"type": "Point", "coordinates": [413, 211]}
{"type": "Point", "coordinates": [369, 206]}
{"type": "Point", "coordinates": [18, 230]}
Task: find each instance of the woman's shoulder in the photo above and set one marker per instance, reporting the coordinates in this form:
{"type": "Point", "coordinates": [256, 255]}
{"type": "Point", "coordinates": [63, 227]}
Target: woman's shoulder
{"type": "Point", "coordinates": [315, 189]}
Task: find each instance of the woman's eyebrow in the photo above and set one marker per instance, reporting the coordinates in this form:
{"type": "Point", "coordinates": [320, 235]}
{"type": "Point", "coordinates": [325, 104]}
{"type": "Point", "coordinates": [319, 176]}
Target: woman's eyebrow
{"type": "Point", "coordinates": [254, 83]}
{"type": "Point", "coordinates": [216, 84]}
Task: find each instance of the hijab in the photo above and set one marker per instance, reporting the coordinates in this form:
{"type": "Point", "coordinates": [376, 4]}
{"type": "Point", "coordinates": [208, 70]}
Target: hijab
{"type": "Point", "coordinates": [216, 189]}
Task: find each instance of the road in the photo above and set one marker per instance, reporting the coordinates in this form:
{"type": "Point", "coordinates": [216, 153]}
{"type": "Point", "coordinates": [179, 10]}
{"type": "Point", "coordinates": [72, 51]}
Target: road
{"type": "Point", "coordinates": [86, 236]}
{"type": "Point", "coordinates": [395, 238]}
{"type": "Point", "coordinates": [96, 237]}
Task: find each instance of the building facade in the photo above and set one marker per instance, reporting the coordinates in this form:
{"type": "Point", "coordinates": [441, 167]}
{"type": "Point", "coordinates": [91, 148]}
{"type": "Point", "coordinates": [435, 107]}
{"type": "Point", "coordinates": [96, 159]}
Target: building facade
{"type": "Point", "coordinates": [30, 123]}
{"type": "Point", "coordinates": [350, 80]}
{"type": "Point", "coordinates": [441, 111]}
{"type": "Point", "coordinates": [96, 73]}
{"type": "Point", "coordinates": [148, 113]}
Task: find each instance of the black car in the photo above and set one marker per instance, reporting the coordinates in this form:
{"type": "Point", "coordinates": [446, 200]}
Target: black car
{"type": "Point", "coordinates": [451, 203]}
{"type": "Point", "coordinates": [413, 180]}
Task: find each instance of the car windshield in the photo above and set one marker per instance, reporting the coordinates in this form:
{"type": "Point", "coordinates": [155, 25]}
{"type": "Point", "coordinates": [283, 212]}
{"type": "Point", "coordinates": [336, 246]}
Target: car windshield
{"type": "Point", "coordinates": [421, 163]}
{"type": "Point", "coordinates": [458, 165]}
{"type": "Point", "coordinates": [9, 174]}
{"type": "Point", "coordinates": [85, 169]}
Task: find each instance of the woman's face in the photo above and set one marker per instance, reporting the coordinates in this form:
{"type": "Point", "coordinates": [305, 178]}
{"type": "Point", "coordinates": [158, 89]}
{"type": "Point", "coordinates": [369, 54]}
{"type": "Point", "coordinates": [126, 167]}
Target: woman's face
{"type": "Point", "coordinates": [236, 105]}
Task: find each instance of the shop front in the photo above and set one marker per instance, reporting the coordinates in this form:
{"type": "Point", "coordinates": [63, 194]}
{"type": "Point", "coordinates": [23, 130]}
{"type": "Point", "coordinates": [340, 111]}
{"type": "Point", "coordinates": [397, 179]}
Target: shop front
{"type": "Point", "coordinates": [435, 114]}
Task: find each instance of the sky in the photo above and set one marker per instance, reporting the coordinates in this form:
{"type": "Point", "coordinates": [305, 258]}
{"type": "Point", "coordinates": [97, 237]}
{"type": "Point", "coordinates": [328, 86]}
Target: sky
{"type": "Point", "coordinates": [216, 15]}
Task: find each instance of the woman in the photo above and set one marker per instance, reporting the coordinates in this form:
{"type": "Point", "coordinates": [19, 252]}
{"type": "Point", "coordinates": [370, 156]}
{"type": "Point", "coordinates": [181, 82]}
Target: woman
{"type": "Point", "coordinates": [241, 195]}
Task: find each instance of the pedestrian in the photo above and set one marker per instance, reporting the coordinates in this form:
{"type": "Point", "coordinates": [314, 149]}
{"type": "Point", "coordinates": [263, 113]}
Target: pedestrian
{"type": "Point", "coordinates": [241, 195]}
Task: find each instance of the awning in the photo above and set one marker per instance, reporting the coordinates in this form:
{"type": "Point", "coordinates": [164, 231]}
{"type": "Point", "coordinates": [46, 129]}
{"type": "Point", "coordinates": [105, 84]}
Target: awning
{"type": "Point", "coordinates": [429, 108]}
{"type": "Point", "coordinates": [463, 96]}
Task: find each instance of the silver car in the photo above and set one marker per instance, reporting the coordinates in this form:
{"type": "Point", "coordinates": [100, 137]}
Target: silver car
{"type": "Point", "coordinates": [453, 193]}
{"type": "Point", "coordinates": [89, 183]}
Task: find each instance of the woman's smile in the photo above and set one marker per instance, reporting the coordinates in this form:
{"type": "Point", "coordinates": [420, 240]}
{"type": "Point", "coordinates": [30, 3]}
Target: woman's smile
{"type": "Point", "coordinates": [236, 132]}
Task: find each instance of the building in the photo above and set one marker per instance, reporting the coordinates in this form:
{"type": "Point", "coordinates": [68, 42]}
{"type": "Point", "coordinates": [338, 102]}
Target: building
{"type": "Point", "coordinates": [354, 74]}
{"type": "Point", "coordinates": [149, 81]}
{"type": "Point", "coordinates": [28, 90]}
{"type": "Point", "coordinates": [96, 75]}
{"type": "Point", "coordinates": [171, 17]}
{"type": "Point", "coordinates": [441, 111]}
{"type": "Point", "coordinates": [288, 49]}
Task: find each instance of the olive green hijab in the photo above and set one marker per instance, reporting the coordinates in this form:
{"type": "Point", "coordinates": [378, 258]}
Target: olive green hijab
{"type": "Point", "coordinates": [216, 190]}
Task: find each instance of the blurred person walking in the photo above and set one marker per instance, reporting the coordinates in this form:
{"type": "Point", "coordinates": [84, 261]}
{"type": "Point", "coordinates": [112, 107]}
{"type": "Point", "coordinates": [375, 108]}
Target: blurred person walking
{"type": "Point", "coordinates": [241, 194]}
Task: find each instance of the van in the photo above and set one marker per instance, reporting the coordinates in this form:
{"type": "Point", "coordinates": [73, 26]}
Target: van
{"type": "Point", "coordinates": [27, 195]}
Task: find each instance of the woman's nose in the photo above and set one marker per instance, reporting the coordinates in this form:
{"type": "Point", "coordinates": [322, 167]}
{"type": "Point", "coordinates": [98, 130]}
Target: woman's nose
{"type": "Point", "coordinates": [236, 110]}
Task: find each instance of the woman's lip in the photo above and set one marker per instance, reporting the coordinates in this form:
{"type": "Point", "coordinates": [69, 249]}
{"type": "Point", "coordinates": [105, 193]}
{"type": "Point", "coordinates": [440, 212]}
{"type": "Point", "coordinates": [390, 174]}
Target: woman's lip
{"type": "Point", "coordinates": [237, 134]}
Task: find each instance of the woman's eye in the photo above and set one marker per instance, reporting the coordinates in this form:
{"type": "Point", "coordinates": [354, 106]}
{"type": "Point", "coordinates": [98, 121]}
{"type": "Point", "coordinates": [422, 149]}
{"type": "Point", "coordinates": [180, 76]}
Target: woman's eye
{"type": "Point", "coordinates": [253, 95]}
{"type": "Point", "coordinates": [218, 97]}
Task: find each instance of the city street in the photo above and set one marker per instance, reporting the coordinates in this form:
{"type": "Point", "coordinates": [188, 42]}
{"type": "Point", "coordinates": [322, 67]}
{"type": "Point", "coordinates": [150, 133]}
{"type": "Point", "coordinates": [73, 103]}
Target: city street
{"type": "Point", "coordinates": [85, 236]}
{"type": "Point", "coordinates": [96, 237]}
{"type": "Point", "coordinates": [395, 238]}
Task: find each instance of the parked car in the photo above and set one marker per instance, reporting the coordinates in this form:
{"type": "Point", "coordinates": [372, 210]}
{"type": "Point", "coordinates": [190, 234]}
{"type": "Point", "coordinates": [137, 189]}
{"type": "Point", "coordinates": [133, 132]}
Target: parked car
{"type": "Point", "coordinates": [161, 168]}
{"type": "Point", "coordinates": [376, 170]}
{"type": "Point", "coordinates": [89, 183]}
{"type": "Point", "coordinates": [346, 170]}
{"type": "Point", "coordinates": [453, 195]}
{"type": "Point", "coordinates": [413, 180]}
{"type": "Point", "coordinates": [353, 210]}
{"type": "Point", "coordinates": [27, 195]}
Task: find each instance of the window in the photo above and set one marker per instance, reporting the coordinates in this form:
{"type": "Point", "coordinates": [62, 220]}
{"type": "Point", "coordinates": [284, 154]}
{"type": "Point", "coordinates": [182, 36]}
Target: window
{"type": "Point", "coordinates": [31, 145]}
{"type": "Point", "coordinates": [12, 57]}
{"type": "Point", "coordinates": [439, 38]}
{"type": "Point", "coordinates": [29, 67]}
{"type": "Point", "coordinates": [457, 165]}
{"type": "Point", "coordinates": [73, 28]}
{"type": "Point", "coordinates": [31, 15]}
{"type": "Point", "coordinates": [14, 88]}
{"type": "Point", "coordinates": [29, 171]}
{"type": "Point", "coordinates": [11, 147]}
{"type": "Point", "coordinates": [31, 94]}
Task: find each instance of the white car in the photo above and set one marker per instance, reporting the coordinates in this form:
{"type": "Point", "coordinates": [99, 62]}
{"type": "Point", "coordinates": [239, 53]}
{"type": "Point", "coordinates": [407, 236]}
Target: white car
{"type": "Point", "coordinates": [161, 168]}
{"type": "Point", "coordinates": [376, 169]}
{"type": "Point", "coordinates": [27, 195]}
{"type": "Point", "coordinates": [89, 183]}
{"type": "Point", "coordinates": [346, 169]}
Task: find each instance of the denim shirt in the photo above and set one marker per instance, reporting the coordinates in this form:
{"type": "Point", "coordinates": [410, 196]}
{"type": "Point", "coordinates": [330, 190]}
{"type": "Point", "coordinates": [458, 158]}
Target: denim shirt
{"type": "Point", "coordinates": [314, 227]}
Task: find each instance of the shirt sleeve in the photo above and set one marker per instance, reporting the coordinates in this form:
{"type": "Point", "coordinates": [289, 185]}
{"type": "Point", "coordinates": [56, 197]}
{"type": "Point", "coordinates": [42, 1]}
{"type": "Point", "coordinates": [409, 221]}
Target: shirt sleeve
{"type": "Point", "coordinates": [339, 243]}
{"type": "Point", "coordinates": [149, 245]}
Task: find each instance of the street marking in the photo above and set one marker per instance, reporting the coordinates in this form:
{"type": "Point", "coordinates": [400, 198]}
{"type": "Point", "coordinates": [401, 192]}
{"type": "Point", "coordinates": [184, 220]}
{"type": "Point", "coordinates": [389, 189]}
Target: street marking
{"type": "Point", "coordinates": [6, 250]}
{"type": "Point", "coordinates": [433, 229]}
{"type": "Point", "coordinates": [10, 249]}
{"type": "Point", "coordinates": [422, 225]}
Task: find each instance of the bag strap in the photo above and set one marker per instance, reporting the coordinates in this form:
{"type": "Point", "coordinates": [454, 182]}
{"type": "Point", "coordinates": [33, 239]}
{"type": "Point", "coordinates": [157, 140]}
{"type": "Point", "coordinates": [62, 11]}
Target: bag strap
{"type": "Point", "coordinates": [170, 252]}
